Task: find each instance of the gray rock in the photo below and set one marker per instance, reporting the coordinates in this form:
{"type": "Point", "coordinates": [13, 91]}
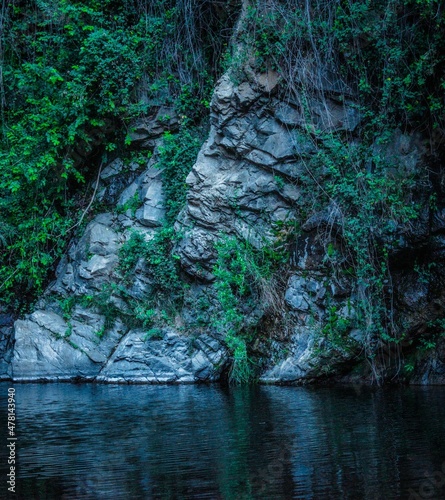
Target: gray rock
{"type": "Point", "coordinates": [145, 131]}
{"type": "Point", "coordinates": [403, 153]}
{"type": "Point", "coordinates": [245, 95]}
{"type": "Point", "coordinates": [152, 212]}
{"type": "Point", "coordinates": [99, 237]}
{"type": "Point", "coordinates": [129, 193]}
{"type": "Point", "coordinates": [329, 216]}
{"type": "Point", "coordinates": [51, 321]}
{"type": "Point", "coordinates": [49, 348]}
{"type": "Point", "coordinates": [40, 355]}
{"type": "Point", "coordinates": [288, 115]}
{"type": "Point", "coordinates": [261, 158]}
{"type": "Point", "coordinates": [175, 358]}
{"type": "Point", "coordinates": [267, 81]}
{"type": "Point", "coordinates": [114, 178]}
{"type": "Point", "coordinates": [286, 371]}
{"type": "Point", "coordinates": [330, 116]}
{"type": "Point", "coordinates": [111, 170]}
{"type": "Point", "coordinates": [296, 366]}
{"type": "Point", "coordinates": [223, 94]}
{"type": "Point", "coordinates": [103, 239]}
{"type": "Point", "coordinates": [438, 221]}
{"type": "Point", "coordinates": [98, 267]}
{"type": "Point", "coordinates": [296, 295]}
{"type": "Point", "coordinates": [6, 344]}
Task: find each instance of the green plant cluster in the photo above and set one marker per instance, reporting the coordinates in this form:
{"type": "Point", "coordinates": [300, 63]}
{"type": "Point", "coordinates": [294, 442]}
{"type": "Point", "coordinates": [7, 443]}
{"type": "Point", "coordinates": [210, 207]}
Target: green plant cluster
{"type": "Point", "coordinates": [74, 73]}
{"type": "Point", "coordinates": [176, 157]}
{"type": "Point", "coordinates": [242, 273]}
{"type": "Point", "coordinates": [371, 205]}
{"type": "Point", "coordinates": [156, 254]}
{"type": "Point", "coordinates": [337, 327]}
{"type": "Point", "coordinates": [161, 266]}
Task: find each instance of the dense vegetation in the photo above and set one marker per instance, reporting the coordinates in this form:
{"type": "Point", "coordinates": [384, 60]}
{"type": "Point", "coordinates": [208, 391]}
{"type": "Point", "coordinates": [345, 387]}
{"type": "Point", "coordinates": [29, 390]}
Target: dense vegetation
{"type": "Point", "coordinates": [386, 60]}
{"type": "Point", "coordinates": [73, 76]}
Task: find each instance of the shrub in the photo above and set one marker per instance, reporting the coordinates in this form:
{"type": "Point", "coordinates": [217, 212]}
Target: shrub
{"type": "Point", "coordinates": [161, 266]}
{"type": "Point", "coordinates": [244, 278]}
{"type": "Point", "coordinates": [176, 157]}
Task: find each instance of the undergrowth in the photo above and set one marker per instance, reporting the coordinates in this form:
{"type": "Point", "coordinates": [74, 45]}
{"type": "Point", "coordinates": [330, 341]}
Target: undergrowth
{"type": "Point", "coordinates": [245, 277]}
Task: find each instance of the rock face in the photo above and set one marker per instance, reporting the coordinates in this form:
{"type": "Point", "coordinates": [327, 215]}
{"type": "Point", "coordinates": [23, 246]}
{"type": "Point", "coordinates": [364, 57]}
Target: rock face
{"type": "Point", "coordinates": [71, 338]}
{"type": "Point", "coordinates": [45, 350]}
{"type": "Point", "coordinates": [249, 181]}
{"type": "Point", "coordinates": [6, 342]}
{"type": "Point", "coordinates": [174, 358]}
{"type": "Point", "coordinates": [236, 186]}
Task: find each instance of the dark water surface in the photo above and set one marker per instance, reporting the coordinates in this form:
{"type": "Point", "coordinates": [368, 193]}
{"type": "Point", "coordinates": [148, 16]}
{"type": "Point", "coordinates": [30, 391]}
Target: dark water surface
{"type": "Point", "coordinates": [186, 442]}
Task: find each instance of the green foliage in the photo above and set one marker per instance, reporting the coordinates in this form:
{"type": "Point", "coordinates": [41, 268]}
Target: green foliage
{"type": "Point", "coordinates": [240, 271]}
{"type": "Point", "coordinates": [135, 313]}
{"type": "Point", "coordinates": [241, 371]}
{"type": "Point", "coordinates": [435, 335]}
{"type": "Point", "coordinates": [154, 334]}
{"type": "Point", "coordinates": [140, 157]}
{"type": "Point", "coordinates": [102, 302]}
{"type": "Point", "coordinates": [132, 204]}
{"type": "Point", "coordinates": [371, 204]}
{"type": "Point", "coordinates": [409, 367]}
{"type": "Point", "coordinates": [73, 75]}
{"type": "Point", "coordinates": [391, 51]}
{"type": "Point", "coordinates": [166, 289]}
{"type": "Point", "coordinates": [279, 181]}
{"type": "Point", "coordinates": [101, 332]}
{"type": "Point", "coordinates": [67, 304]}
{"type": "Point", "coordinates": [161, 265]}
{"type": "Point", "coordinates": [396, 50]}
{"type": "Point", "coordinates": [241, 274]}
{"type": "Point", "coordinates": [144, 315]}
{"type": "Point", "coordinates": [337, 327]}
{"type": "Point", "coordinates": [176, 157]}
{"type": "Point", "coordinates": [132, 250]}
{"type": "Point", "coordinates": [386, 61]}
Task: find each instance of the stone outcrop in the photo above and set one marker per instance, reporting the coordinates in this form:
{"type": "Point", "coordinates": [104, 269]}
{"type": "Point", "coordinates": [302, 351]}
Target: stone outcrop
{"type": "Point", "coordinates": [6, 343]}
{"type": "Point", "coordinates": [249, 181]}
{"type": "Point", "coordinates": [47, 348]}
{"type": "Point", "coordinates": [68, 338]}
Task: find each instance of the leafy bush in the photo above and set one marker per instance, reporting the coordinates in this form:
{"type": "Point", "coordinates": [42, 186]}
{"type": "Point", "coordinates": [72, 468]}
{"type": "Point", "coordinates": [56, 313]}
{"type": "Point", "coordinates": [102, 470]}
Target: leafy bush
{"type": "Point", "coordinates": [161, 266]}
{"type": "Point", "coordinates": [390, 52]}
{"type": "Point", "coordinates": [176, 157]}
{"type": "Point", "coordinates": [244, 277]}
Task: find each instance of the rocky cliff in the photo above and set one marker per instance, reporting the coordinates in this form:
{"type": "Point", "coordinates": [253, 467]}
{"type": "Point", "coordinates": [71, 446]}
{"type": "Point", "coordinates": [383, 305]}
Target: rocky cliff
{"type": "Point", "coordinates": [299, 304]}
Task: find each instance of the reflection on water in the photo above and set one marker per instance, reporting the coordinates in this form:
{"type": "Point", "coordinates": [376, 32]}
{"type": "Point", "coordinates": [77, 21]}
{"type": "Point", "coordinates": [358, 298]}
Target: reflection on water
{"type": "Point", "coordinates": [193, 442]}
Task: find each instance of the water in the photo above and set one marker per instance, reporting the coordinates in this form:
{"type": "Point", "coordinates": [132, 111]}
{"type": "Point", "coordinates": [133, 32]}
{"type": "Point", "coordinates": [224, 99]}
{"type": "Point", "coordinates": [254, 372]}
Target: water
{"type": "Point", "coordinates": [206, 442]}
